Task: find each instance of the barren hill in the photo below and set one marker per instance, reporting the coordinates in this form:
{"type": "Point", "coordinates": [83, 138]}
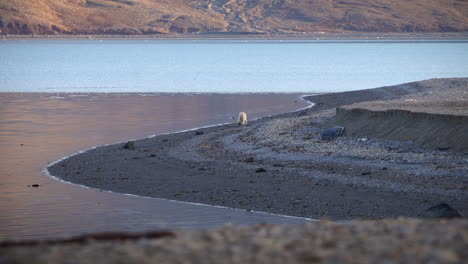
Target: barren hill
{"type": "Point", "coordinates": [230, 16]}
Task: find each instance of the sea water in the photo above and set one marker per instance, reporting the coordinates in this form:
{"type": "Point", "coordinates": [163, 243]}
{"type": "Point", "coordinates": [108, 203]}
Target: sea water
{"type": "Point", "coordinates": [240, 66]}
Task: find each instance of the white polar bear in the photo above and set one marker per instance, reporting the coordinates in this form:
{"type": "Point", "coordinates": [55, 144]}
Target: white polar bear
{"type": "Point", "coordinates": [242, 120]}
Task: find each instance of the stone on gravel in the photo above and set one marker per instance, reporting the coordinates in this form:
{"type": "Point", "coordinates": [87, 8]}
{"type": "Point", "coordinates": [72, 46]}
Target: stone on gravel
{"type": "Point", "coordinates": [332, 133]}
{"type": "Point", "coordinates": [443, 148]}
{"type": "Point", "coordinates": [442, 210]}
{"type": "Point", "coordinates": [129, 145]}
{"type": "Point", "coordinates": [278, 165]}
{"type": "Point", "coordinates": [260, 170]}
{"type": "Point", "coordinates": [249, 159]}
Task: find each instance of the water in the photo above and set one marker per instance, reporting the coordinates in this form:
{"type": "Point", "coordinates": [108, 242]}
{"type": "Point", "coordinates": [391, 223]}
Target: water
{"type": "Point", "coordinates": [36, 129]}
{"type": "Point", "coordinates": [223, 66]}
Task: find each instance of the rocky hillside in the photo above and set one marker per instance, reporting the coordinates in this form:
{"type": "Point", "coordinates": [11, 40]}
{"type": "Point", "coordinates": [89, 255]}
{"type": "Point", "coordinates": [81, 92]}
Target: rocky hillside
{"type": "Point", "coordinates": [230, 16]}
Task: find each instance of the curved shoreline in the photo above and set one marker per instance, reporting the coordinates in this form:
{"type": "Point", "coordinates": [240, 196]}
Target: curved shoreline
{"type": "Point", "coordinates": [46, 171]}
{"type": "Point", "coordinates": [210, 169]}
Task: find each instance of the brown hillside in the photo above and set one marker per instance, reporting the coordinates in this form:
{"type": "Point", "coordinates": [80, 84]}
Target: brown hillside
{"type": "Point", "coordinates": [213, 16]}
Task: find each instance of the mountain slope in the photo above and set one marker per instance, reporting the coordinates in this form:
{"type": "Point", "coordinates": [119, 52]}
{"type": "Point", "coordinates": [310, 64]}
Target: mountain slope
{"type": "Point", "coordinates": [234, 16]}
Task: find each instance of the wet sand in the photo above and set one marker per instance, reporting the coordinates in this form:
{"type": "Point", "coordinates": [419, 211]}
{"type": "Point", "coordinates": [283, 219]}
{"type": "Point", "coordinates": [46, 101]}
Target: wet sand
{"type": "Point", "coordinates": [280, 165]}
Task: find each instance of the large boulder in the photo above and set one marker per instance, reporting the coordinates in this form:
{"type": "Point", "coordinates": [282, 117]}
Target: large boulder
{"type": "Point", "coordinates": [442, 210]}
{"type": "Point", "coordinates": [332, 133]}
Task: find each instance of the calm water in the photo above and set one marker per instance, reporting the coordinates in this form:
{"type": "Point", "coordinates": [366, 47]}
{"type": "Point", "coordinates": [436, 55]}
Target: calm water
{"type": "Point", "coordinates": [221, 66]}
{"type": "Point", "coordinates": [36, 129]}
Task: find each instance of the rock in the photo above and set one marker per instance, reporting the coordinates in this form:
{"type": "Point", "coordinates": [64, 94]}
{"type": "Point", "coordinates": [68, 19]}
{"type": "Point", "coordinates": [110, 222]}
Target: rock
{"type": "Point", "coordinates": [129, 145]}
{"type": "Point", "coordinates": [35, 185]}
{"type": "Point", "coordinates": [442, 210]}
{"type": "Point", "coordinates": [260, 170]}
{"type": "Point", "coordinates": [198, 133]}
{"type": "Point", "coordinates": [443, 148]}
{"type": "Point", "coordinates": [366, 173]}
{"type": "Point", "coordinates": [152, 156]}
{"type": "Point", "coordinates": [249, 160]}
{"type": "Point", "coordinates": [278, 165]}
{"type": "Point", "coordinates": [332, 133]}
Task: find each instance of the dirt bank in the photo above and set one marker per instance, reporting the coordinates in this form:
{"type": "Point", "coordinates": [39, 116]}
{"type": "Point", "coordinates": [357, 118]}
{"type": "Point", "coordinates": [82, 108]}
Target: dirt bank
{"type": "Point", "coordinates": [436, 117]}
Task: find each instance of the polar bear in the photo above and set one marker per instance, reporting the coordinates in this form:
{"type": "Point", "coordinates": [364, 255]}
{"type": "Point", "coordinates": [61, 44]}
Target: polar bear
{"type": "Point", "coordinates": [242, 120]}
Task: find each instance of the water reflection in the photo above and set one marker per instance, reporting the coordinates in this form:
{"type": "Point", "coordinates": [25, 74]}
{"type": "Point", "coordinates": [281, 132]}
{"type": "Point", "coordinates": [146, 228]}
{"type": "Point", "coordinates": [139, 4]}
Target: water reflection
{"type": "Point", "coordinates": [36, 129]}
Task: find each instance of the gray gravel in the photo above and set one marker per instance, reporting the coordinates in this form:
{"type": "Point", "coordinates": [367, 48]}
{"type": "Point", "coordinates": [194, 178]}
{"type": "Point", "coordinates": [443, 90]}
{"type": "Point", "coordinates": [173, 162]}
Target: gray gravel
{"type": "Point", "coordinates": [385, 241]}
{"type": "Point", "coordinates": [280, 165]}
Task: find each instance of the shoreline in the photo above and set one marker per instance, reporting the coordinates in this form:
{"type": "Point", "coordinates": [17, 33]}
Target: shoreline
{"type": "Point", "coordinates": [322, 37]}
{"type": "Point", "coordinates": [46, 171]}
{"type": "Point", "coordinates": [402, 240]}
{"type": "Point", "coordinates": [211, 167]}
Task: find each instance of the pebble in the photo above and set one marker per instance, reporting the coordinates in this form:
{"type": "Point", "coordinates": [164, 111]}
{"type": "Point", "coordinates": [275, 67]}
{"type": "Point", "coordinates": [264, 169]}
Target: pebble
{"type": "Point", "coordinates": [249, 159]}
{"type": "Point", "coordinates": [129, 145]}
{"type": "Point", "coordinates": [278, 165]}
{"type": "Point", "coordinates": [443, 148]}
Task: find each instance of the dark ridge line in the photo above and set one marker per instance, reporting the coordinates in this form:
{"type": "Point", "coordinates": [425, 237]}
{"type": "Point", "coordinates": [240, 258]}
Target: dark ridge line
{"type": "Point", "coordinates": [82, 239]}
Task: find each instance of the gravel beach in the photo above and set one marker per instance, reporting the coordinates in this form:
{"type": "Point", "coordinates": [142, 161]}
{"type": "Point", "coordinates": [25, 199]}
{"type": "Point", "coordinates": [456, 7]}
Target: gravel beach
{"type": "Point", "coordinates": [383, 241]}
{"type": "Point", "coordinates": [280, 164]}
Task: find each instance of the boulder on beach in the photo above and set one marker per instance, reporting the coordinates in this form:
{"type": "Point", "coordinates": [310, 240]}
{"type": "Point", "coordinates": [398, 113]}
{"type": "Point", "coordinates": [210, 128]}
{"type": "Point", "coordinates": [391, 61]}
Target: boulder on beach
{"type": "Point", "coordinates": [332, 133]}
{"type": "Point", "coordinates": [442, 210]}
